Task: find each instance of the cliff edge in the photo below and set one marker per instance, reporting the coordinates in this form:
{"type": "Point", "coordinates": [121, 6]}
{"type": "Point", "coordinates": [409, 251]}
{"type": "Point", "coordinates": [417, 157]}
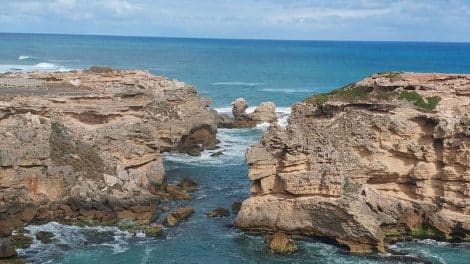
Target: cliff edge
{"type": "Point", "coordinates": [85, 145]}
{"type": "Point", "coordinates": [379, 160]}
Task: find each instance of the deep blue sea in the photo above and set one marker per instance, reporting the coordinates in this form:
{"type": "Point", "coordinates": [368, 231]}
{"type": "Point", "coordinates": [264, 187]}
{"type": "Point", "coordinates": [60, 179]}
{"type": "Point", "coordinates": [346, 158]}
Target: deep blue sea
{"type": "Point", "coordinates": [259, 70]}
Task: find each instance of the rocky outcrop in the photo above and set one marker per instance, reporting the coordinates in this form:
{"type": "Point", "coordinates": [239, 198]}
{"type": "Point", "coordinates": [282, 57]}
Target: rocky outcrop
{"type": "Point", "coordinates": [387, 156]}
{"type": "Point", "coordinates": [85, 145]}
{"type": "Point", "coordinates": [280, 243]}
{"type": "Point", "coordinates": [265, 112]}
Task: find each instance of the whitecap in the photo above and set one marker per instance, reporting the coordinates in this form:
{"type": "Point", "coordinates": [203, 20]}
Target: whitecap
{"type": "Point", "coordinates": [236, 84]}
{"type": "Point", "coordinates": [26, 57]}
{"type": "Point", "coordinates": [42, 66]}
{"type": "Point", "coordinates": [285, 90]}
{"type": "Point", "coordinates": [46, 66]}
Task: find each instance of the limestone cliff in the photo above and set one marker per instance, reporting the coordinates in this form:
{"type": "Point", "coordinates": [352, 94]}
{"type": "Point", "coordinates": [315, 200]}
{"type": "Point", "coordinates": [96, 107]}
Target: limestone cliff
{"type": "Point", "coordinates": [87, 144]}
{"type": "Point", "coordinates": [387, 156]}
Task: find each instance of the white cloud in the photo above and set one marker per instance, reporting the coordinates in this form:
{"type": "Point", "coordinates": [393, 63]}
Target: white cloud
{"type": "Point", "coordinates": [359, 19]}
{"type": "Point", "coordinates": [121, 7]}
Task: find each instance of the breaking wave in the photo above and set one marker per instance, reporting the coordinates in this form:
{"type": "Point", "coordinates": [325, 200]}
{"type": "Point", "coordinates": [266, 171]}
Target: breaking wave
{"type": "Point", "coordinates": [42, 66]}
{"type": "Point", "coordinates": [26, 57]}
{"type": "Point", "coordinates": [236, 84]}
{"type": "Point", "coordinates": [287, 91]}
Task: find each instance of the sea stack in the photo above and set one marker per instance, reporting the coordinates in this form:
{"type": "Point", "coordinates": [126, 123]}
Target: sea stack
{"type": "Point", "coordinates": [384, 157]}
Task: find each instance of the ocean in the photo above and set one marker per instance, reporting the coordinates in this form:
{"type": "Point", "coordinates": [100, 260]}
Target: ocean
{"type": "Point", "coordinates": [283, 72]}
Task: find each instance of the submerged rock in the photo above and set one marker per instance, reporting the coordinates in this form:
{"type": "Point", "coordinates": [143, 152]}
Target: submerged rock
{"type": "Point", "coordinates": [366, 162]}
{"type": "Point", "coordinates": [187, 184]}
{"type": "Point", "coordinates": [280, 243]}
{"type": "Point", "coordinates": [217, 154]}
{"type": "Point", "coordinates": [178, 193]}
{"type": "Point", "coordinates": [95, 237]}
{"type": "Point", "coordinates": [154, 230]}
{"type": "Point", "coordinates": [183, 213]}
{"type": "Point", "coordinates": [44, 236]}
{"type": "Point", "coordinates": [178, 215]}
{"type": "Point", "coordinates": [219, 212]}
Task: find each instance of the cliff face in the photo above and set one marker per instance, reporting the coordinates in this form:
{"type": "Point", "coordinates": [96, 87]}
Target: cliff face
{"type": "Point", "coordinates": [387, 156]}
{"type": "Point", "coordinates": [87, 144]}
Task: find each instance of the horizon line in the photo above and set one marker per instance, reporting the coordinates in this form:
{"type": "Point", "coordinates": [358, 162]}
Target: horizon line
{"type": "Point", "coordinates": [228, 38]}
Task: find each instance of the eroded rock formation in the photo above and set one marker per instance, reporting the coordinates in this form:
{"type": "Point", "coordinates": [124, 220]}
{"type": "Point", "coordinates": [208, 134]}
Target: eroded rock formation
{"type": "Point", "coordinates": [265, 112]}
{"type": "Point", "coordinates": [387, 156]}
{"type": "Point", "coordinates": [86, 144]}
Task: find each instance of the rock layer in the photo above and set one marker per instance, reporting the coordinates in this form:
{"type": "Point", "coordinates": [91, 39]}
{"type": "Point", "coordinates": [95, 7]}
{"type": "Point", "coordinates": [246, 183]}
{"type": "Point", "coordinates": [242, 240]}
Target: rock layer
{"type": "Point", "coordinates": [87, 144]}
{"type": "Point", "coordinates": [361, 163]}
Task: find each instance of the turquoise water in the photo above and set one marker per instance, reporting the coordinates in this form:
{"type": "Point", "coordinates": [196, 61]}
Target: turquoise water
{"type": "Point", "coordinates": [279, 71]}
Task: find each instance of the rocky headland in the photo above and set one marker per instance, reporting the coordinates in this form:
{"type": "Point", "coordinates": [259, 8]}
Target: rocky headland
{"type": "Point", "coordinates": [380, 160]}
{"type": "Point", "coordinates": [85, 146]}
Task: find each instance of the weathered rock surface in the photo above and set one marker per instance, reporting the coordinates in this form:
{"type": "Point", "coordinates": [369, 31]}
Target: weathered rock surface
{"type": "Point", "coordinates": [85, 145]}
{"type": "Point", "coordinates": [265, 112]}
{"type": "Point", "coordinates": [360, 163]}
{"type": "Point", "coordinates": [280, 243]}
{"type": "Point", "coordinates": [180, 214]}
{"type": "Point", "coordinates": [218, 212]}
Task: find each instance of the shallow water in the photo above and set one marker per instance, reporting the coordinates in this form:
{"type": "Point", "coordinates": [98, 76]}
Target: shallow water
{"type": "Point", "coordinates": [205, 240]}
{"type": "Point", "coordinates": [280, 71]}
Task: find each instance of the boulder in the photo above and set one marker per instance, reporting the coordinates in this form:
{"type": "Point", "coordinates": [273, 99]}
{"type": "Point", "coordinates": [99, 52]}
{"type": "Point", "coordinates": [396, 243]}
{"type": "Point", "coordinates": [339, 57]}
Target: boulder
{"type": "Point", "coordinates": [44, 236]}
{"type": "Point", "coordinates": [154, 230]}
{"type": "Point", "coordinates": [21, 240]}
{"type": "Point", "coordinates": [265, 112]}
{"type": "Point", "coordinates": [7, 250]}
{"type": "Point", "coordinates": [171, 220]}
{"type": "Point", "coordinates": [280, 243]}
{"type": "Point", "coordinates": [219, 212]}
{"type": "Point", "coordinates": [239, 108]}
{"type": "Point", "coordinates": [187, 184]}
{"type": "Point", "coordinates": [183, 213]}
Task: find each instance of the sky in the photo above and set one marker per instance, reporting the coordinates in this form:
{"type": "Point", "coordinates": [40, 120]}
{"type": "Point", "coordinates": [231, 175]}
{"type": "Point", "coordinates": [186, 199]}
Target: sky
{"type": "Point", "coordinates": [395, 20]}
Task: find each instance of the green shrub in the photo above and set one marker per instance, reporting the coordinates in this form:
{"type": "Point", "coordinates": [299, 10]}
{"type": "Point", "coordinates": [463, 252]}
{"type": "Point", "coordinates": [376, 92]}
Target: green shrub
{"type": "Point", "coordinates": [318, 99]}
{"type": "Point", "coordinates": [354, 93]}
{"type": "Point", "coordinates": [350, 187]}
{"type": "Point", "coordinates": [429, 103]}
{"type": "Point", "coordinates": [427, 232]}
{"type": "Point", "coordinates": [389, 75]}
{"type": "Point", "coordinates": [392, 233]}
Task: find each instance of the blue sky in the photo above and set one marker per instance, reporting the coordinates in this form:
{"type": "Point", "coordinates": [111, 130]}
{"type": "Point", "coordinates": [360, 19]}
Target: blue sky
{"type": "Point", "coordinates": [419, 20]}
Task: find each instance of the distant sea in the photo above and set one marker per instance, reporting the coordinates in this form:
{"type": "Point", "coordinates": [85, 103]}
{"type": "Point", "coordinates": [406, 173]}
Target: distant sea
{"type": "Point", "coordinates": [283, 72]}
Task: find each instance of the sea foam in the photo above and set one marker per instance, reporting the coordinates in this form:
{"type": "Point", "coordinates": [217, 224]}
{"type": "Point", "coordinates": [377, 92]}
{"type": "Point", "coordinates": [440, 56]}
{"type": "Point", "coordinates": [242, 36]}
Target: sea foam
{"type": "Point", "coordinates": [42, 66]}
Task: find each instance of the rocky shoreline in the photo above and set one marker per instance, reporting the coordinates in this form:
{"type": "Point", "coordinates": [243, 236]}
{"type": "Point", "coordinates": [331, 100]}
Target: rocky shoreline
{"type": "Point", "coordinates": [382, 160]}
{"type": "Point", "coordinates": [83, 147]}
{"type": "Point", "coordinates": [378, 161]}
